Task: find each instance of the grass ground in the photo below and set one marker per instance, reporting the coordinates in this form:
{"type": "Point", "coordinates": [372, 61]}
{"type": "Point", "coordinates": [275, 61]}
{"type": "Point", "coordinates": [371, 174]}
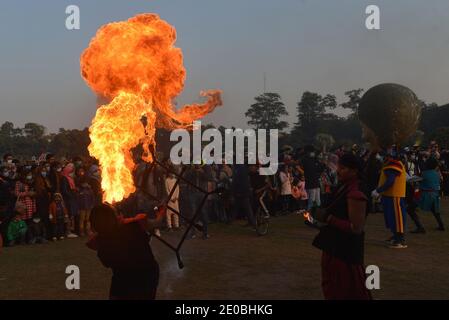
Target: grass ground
{"type": "Point", "coordinates": [236, 264]}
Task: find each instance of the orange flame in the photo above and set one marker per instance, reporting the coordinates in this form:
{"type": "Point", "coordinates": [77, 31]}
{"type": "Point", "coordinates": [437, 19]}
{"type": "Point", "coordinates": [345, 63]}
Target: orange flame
{"type": "Point", "coordinates": [136, 66]}
{"type": "Point", "coordinates": [306, 216]}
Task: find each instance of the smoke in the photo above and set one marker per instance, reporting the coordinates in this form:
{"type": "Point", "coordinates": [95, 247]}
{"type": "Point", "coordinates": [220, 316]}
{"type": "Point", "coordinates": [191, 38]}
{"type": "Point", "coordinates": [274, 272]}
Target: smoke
{"type": "Point", "coordinates": [173, 274]}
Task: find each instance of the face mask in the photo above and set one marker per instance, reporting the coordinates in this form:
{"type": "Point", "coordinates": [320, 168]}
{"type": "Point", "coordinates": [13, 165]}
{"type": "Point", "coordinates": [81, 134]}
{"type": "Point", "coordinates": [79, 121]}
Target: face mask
{"type": "Point", "coordinates": [5, 174]}
{"type": "Point", "coordinates": [29, 178]}
{"type": "Point", "coordinates": [58, 170]}
{"type": "Point", "coordinates": [44, 174]}
{"type": "Point", "coordinates": [28, 167]}
{"type": "Point", "coordinates": [9, 161]}
{"type": "Point", "coordinates": [36, 220]}
{"type": "Point", "coordinates": [379, 157]}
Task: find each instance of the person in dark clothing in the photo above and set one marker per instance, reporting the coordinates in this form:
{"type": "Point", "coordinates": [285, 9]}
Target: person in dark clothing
{"type": "Point", "coordinates": [372, 173]}
{"type": "Point", "coordinates": [421, 161]}
{"type": "Point", "coordinates": [225, 199]}
{"type": "Point", "coordinates": [94, 180]}
{"type": "Point", "coordinates": [43, 196]}
{"type": "Point", "coordinates": [299, 152]}
{"type": "Point", "coordinates": [7, 189]}
{"type": "Point", "coordinates": [148, 178]}
{"type": "Point", "coordinates": [312, 173]}
{"type": "Point", "coordinates": [444, 166]}
{"type": "Point", "coordinates": [198, 177]}
{"type": "Point", "coordinates": [212, 211]}
{"type": "Point", "coordinates": [6, 216]}
{"type": "Point", "coordinates": [69, 193]}
{"type": "Point", "coordinates": [430, 191]}
{"type": "Point", "coordinates": [86, 201]}
{"type": "Point", "coordinates": [241, 187]}
{"type": "Point", "coordinates": [50, 158]}
{"type": "Point", "coordinates": [55, 177]}
{"type": "Point", "coordinates": [341, 239]}
{"type": "Point", "coordinates": [123, 246]}
{"type": "Point", "coordinates": [412, 206]}
{"type": "Point", "coordinates": [37, 230]}
{"type": "Point", "coordinates": [58, 213]}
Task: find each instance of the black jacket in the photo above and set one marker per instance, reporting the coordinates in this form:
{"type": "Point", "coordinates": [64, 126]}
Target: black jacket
{"type": "Point", "coordinates": [312, 172]}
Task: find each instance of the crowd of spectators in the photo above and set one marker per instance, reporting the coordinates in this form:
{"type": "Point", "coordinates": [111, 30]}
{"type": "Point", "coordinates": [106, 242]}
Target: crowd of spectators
{"type": "Point", "coordinates": [49, 199]}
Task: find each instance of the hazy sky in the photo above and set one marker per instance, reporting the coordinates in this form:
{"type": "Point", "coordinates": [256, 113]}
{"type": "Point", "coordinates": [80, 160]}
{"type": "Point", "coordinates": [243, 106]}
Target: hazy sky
{"type": "Point", "coordinates": [316, 45]}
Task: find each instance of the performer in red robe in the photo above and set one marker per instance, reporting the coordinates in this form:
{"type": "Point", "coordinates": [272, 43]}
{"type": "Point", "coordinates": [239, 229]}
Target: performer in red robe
{"type": "Point", "coordinates": [341, 239]}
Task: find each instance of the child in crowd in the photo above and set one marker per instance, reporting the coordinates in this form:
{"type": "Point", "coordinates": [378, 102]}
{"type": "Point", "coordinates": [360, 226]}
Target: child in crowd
{"type": "Point", "coordinates": [26, 195]}
{"type": "Point", "coordinates": [58, 216]}
{"type": "Point", "coordinates": [37, 230]}
{"type": "Point", "coordinates": [17, 228]}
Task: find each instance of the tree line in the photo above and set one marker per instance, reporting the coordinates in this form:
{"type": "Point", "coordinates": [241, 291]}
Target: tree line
{"type": "Point", "coordinates": [33, 140]}
{"type": "Point", "coordinates": [317, 124]}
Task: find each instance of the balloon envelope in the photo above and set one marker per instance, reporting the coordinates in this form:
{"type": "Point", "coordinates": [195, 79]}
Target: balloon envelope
{"type": "Point", "coordinates": [391, 112]}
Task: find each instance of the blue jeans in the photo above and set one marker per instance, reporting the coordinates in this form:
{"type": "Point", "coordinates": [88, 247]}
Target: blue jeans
{"type": "Point", "coordinates": [58, 229]}
{"type": "Point", "coordinates": [314, 198]}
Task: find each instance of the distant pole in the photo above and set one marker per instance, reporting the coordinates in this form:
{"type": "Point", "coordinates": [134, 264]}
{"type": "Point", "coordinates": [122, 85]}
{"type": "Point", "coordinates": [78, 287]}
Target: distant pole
{"type": "Point", "coordinates": [264, 82]}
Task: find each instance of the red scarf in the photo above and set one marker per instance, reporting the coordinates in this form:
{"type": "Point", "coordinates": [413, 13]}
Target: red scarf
{"type": "Point", "coordinates": [68, 169]}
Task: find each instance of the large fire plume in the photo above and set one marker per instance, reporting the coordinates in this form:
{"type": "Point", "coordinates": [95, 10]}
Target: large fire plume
{"type": "Point", "coordinates": [135, 65]}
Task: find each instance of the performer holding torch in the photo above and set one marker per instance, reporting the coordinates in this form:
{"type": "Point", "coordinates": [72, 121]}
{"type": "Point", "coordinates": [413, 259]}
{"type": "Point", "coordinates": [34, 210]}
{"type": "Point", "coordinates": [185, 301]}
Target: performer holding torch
{"type": "Point", "coordinates": [341, 236]}
{"type": "Point", "coordinates": [389, 114]}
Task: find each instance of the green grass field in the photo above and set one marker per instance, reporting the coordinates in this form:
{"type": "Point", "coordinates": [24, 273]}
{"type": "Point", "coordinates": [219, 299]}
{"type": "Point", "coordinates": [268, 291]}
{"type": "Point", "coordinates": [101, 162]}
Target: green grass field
{"type": "Point", "coordinates": [236, 264]}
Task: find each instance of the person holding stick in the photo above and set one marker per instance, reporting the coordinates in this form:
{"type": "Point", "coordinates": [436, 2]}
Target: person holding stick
{"type": "Point", "coordinates": [122, 244]}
